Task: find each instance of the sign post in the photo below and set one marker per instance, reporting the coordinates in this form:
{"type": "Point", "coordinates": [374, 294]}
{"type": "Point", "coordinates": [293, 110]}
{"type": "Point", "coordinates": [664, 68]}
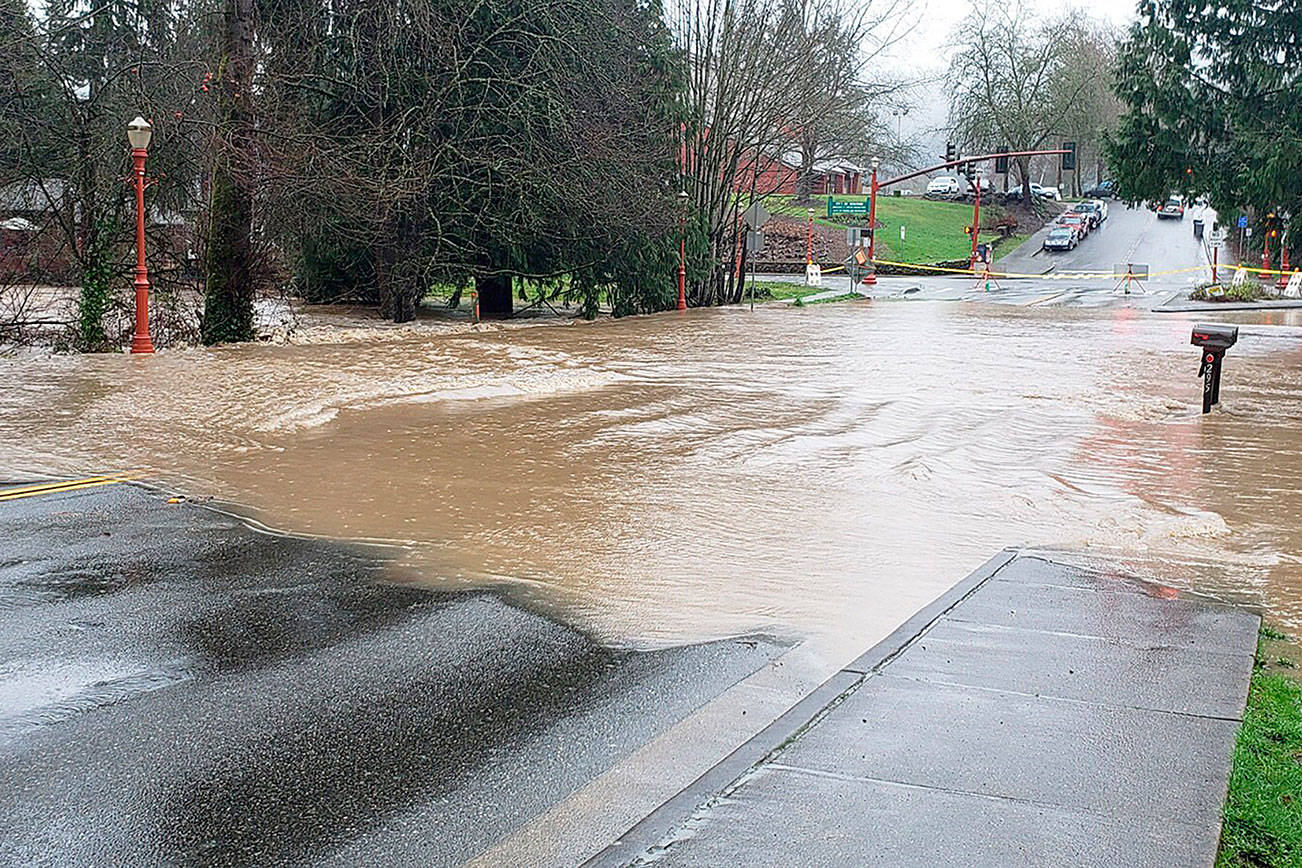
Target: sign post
{"type": "Point", "coordinates": [1216, 238]}
{"type": "Point", "coordinates": [754, 217]}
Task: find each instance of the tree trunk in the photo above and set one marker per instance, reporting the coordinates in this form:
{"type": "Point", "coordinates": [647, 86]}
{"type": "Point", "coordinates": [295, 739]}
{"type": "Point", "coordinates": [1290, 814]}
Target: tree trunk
{"type": "Point", "coordinates": [494, 295]}
{"type": "Point", "coordinates": [397, 302]}
{"type": "Point", "coordinates": [229, 290]}
{"type": "Point", "coordinates": [805, 181]}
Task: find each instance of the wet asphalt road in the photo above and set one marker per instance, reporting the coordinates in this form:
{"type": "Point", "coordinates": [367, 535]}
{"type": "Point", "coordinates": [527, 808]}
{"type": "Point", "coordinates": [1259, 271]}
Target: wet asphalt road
{"type": "Point", "coordinates": [176, 688]}
{"type": "Point", "coordinates": [1129, 235]}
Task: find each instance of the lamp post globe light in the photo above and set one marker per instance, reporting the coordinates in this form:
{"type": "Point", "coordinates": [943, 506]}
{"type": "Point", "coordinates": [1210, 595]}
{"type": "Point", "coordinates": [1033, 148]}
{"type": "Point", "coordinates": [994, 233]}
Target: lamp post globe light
{"type": "Point", "coordinates": [139, 132]}
{"type": "Point", "coordinates": [871, 277]}
{"type": "Point", "coordinates": [682, 250]}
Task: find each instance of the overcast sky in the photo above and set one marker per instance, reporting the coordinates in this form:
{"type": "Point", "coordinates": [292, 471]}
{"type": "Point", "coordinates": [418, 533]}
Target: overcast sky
{"type": "Point", "coordinates": [926, 47]}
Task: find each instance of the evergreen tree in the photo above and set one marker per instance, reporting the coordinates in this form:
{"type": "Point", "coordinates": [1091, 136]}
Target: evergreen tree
{"type": "Point", "coordinates": [1214, 105]}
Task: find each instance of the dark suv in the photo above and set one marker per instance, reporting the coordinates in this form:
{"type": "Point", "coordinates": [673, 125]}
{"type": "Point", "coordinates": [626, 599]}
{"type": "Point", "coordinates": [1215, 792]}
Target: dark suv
{"type": "Point", "coordinates": [1102, 190]}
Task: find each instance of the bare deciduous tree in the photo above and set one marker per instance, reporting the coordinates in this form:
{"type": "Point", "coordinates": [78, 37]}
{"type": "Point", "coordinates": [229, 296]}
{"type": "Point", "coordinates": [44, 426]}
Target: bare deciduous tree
{"type": "Point", "coordinates": [1014, 82]}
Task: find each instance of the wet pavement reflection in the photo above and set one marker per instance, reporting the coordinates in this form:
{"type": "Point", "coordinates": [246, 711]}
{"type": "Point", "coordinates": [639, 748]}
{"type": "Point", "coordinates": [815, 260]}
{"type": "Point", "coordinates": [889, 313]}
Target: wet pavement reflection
{"type": "Point", "coordinates": [807, 472]}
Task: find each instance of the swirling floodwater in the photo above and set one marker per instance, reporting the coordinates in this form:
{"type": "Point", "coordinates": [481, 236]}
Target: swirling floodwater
{"type": "Point", "coordinates": [815, 472]}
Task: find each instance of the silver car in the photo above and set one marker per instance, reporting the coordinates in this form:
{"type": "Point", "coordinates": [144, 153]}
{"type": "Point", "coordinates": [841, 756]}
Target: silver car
{"type": "Point", "coordinates": [1060, 238]}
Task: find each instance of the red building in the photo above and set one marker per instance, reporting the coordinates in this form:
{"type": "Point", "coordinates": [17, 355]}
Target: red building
{"type": "Point", "coordinates": [780, 175]}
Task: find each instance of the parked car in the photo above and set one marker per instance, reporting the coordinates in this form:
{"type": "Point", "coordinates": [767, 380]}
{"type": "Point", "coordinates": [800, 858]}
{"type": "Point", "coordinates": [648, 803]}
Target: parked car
{"type": "Point", "coordinates": [1102, 207]}
{"type": "Point", "coordinates": [1079, 222]}
{"type": "Point", "coordinates": [1173, 208]}
{"type": "Point", "coordinates": [1102, 190]}
{"type": "Point", "coordinates": [1089, 212]}
{"type": "Point", "coordinates": [1061, 238]}
{"type": "Point", "coordinates": [943, 187]}
{"type": "Point", "coordinates": [1036, 190]}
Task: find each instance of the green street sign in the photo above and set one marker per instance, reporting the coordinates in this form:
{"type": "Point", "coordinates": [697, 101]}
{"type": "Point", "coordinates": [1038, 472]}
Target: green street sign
{"type": "Point", "coordinates": [836, 209]}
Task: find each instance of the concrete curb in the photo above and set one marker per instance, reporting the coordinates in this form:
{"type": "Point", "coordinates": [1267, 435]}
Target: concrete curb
{"type": "Point", "coordinates": [1214, 306]}
{"type": "Point", "coordinates": [653, 828]}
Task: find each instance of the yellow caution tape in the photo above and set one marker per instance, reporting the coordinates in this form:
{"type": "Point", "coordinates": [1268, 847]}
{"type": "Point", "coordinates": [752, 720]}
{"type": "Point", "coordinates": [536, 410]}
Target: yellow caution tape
{"type": "Point", "coordinates": [1060, 275]}
{"type": "Point", "coordinates": [1274, 271]}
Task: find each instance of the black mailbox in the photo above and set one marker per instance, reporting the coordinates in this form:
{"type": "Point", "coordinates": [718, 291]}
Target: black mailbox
{"type": "Point", "coordinates": [1215, 340]}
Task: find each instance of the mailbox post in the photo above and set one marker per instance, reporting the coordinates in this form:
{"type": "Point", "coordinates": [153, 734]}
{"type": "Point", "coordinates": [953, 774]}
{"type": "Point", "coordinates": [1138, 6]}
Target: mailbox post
{"type": "Point", "coordinates": [1214, 340]}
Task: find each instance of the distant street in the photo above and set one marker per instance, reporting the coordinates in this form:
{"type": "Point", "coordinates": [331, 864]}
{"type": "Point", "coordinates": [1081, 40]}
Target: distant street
{"type": "Point", "coordinates": [1077, 278]}
{"type": "Point", "coordinates": [1129, 235]}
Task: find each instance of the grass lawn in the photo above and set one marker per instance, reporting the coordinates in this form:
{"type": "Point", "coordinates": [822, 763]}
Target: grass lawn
{"type": "Point", "coordinates": [1263, 812]}
{"type": "Point", "coordinates": [773, 290]}
{"type": "Point", "coordinates": [1009, 244]}
{"type": "Point", "coordinates": [933, 230]}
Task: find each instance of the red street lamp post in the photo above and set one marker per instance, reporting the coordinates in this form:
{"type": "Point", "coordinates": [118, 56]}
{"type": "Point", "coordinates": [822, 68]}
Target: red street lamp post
{"type": "Point", "coordinates": [976, 220]}
{"type": "Point", "coordinates": [871, 277]}
{"type": "Point", "coordinates": [138, 133]}
{"type": "Point", "coordinates": [1282, 282]}
{"type": "Point", "coordinates": [809, 239]}
{"type": "Point", "coordinates": [682, 250]}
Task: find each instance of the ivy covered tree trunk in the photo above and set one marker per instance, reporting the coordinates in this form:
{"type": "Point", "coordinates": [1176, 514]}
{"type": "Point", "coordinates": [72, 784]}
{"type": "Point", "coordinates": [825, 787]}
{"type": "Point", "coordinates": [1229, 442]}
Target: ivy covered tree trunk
{"type": "Point", "coordinates": [228, 295]}
{"type": "Point", "coordinates": [96, 292]}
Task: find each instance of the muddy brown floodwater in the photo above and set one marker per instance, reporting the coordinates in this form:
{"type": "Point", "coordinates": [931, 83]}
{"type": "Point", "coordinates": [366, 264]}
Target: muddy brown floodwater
{"type": "Point", "coordinates": [817, 472]}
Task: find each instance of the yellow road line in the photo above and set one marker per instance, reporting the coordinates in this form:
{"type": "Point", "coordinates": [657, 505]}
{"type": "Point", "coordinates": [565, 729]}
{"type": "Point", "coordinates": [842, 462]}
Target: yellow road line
{"type": "Point", "coordinates": [46, 485]}
{"type": "Point", "coordinates": [59, 487]}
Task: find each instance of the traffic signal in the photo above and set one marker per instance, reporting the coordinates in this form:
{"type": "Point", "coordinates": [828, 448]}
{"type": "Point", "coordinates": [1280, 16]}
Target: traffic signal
{"type": "Point", "coordinates": [1069, 158]}
{"type": "Point", "coordinates": [1001, 163]}
{"type": "Point", "coordinates": [967, 230]}
{"type": "Point", "coordinates": [951, 152]}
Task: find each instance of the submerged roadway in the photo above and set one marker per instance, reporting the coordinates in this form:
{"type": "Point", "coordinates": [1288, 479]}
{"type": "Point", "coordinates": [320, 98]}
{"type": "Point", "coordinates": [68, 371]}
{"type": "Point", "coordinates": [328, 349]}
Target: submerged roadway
{"type": "Point", "coordinates": [179, 685]}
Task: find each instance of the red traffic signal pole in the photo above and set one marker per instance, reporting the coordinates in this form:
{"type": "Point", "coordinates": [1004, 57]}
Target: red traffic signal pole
{"type": "Point", "coordinates": [976, 223]}
{"type": "Point", "coordinates": [809, 239]}
{"type": "Point", "coordinates": [1265, 254]}
{"type": "Point", "coordinates": [140, 342]}
{"type": "Point", "coordinates": [871, 277]}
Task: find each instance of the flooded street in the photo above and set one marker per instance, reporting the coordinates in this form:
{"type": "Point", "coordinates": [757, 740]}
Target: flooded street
{"type": "Point", "coordinates": [819, 472]}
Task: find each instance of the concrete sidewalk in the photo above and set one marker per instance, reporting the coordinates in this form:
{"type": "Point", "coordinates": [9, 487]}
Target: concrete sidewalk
{"type": "Point", "coordinates": [1037, 714]}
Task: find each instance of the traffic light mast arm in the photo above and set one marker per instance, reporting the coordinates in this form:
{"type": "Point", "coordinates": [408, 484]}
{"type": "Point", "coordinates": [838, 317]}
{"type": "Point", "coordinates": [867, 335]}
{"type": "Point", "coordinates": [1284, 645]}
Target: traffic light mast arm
{"type": "Point", "coordinates": [964, 161]}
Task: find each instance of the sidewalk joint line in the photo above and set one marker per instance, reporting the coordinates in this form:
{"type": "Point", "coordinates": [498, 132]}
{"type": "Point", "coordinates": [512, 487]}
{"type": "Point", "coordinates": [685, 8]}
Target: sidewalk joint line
{"type": "Point", "coordinates": [1054, 697]}
{"type": "Point", "coordinates": [958, 791]}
